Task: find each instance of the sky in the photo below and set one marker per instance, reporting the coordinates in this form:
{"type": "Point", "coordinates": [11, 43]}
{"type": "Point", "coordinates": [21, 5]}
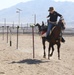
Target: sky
{"type": "Point", "coordinates": [64, 0]}
{"type": "Point", "coordinates": [8, 3]}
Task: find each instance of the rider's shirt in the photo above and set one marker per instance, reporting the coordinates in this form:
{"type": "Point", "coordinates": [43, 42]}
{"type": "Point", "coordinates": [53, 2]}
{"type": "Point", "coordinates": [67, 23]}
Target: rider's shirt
{"type": "Point", "coordinates": [53, 16]}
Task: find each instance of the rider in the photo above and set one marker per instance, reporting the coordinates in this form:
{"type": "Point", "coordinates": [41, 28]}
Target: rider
{"type": "Point", "coordinates": [53, 16]}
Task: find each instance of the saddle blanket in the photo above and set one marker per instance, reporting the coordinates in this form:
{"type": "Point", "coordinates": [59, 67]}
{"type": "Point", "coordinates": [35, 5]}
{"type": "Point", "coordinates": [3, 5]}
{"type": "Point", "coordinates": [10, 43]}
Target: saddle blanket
{"type": "Point", "coordinates": [43, 34]}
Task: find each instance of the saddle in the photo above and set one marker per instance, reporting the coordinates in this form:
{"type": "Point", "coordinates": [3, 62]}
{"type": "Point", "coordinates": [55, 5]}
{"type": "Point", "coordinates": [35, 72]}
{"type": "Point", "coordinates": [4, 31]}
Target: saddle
{"type": "Point", "coordinates": [44, 30]}
{"type": "Point", "coordinates": [52, 29]}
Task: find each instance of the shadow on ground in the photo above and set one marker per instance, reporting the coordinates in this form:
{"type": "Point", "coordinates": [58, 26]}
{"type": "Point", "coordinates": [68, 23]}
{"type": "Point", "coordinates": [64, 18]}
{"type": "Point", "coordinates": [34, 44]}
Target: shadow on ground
{"type": "Point", "coordinates": [30, 61]}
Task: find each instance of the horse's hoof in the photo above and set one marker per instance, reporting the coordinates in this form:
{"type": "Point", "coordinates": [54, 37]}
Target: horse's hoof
{"type": "Point", "coordinates": [59, 59]}
{"type": "Point", "coordinates": [48, 58]}
{"type": "Point", "coordinates": [44, 56]}
{"type": "Point", "coordinates": [50, 55]}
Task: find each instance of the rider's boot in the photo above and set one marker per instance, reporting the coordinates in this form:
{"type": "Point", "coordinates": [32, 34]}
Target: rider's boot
{"type": "Point", "coordinates": [62, 39]}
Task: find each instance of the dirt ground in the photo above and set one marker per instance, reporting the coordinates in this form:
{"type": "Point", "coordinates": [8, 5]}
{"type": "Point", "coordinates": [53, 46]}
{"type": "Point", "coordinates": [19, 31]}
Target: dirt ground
{"type": "Point", "coordinates": [20, 61]}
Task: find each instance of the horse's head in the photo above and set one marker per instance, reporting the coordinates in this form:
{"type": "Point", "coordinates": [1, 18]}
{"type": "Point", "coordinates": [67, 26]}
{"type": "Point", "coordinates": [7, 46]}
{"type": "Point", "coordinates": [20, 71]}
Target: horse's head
{"type": "Point", "coordinates": [39, 26]}
{"type": "Point", "coordinates": [61, 23]}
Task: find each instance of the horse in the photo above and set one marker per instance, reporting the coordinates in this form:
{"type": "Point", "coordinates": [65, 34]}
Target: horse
{"type": "Point", "coordinates": [54, 38]}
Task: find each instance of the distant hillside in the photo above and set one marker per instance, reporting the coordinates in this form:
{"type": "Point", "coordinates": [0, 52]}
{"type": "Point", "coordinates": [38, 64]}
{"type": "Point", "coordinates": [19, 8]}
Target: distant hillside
{"type": "Point", "coordinates": [38, 7]}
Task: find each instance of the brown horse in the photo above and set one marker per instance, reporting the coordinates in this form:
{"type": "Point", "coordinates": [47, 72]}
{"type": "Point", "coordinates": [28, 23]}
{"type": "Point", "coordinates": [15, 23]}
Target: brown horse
{"type": "Point", "coordinates": [54, 38]}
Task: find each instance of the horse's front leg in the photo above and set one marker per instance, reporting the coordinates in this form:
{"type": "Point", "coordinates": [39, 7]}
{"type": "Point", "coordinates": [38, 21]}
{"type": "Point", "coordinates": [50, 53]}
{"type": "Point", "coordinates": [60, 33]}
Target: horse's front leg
{"type": "Point", "coordinates": [43, 42]}
{"type": "Point", "coordinates": [49, 51]}
{"type": "Point", "coordinates": [52, 50]}
{"type": "Point", "coordinates": [58, 47]}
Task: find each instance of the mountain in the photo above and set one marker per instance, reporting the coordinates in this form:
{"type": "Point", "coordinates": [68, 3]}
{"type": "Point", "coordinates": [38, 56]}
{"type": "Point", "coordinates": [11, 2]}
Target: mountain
{"type": "Point", "coordinates": [38, 7]}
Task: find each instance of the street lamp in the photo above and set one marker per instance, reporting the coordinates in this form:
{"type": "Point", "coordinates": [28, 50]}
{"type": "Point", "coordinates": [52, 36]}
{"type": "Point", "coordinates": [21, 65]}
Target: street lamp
{"type": "Point", "coordinates": [34, 19]}
{"type": "Point", "coordinates": [18, 11]}
{"type": "Point", "coordinates": [4, 22]}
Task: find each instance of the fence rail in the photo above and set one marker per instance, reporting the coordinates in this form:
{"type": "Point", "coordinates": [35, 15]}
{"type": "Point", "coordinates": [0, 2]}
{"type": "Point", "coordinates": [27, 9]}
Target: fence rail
{"type": "Point", "coordinates": [22, 30]}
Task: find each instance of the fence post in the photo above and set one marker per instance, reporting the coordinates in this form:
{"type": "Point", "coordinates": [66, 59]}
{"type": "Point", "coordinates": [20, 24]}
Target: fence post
{"type": "Point", "coordinates": [10, 37]}
{"type": "Point", "coordinates": [33, 41]}
{"type": "Point", "coordinates": [7, 33]}
{"type": "Point", "coordinates": [3, 32]}
{"type": "Point", "coordinates": [17, 36]}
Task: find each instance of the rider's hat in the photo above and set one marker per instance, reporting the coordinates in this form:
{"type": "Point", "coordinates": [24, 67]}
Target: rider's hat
{"type": "Point", "coordinates": [51, 8]}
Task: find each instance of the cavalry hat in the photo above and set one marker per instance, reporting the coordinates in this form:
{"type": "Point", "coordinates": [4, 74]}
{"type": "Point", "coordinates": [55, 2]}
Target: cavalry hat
{"type": "Point", "coordinates": [51, 8]}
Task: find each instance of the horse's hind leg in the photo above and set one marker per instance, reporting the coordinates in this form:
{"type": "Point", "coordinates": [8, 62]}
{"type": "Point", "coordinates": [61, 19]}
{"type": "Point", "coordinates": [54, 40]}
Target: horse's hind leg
{"type": "Point", "coordinates": [58, 47]}
{"type": "Point", "coordinates": [43, 42]}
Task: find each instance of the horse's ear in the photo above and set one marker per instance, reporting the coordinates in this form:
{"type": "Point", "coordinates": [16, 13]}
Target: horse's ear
{"type": "Point", "coordinates": [36, 23]}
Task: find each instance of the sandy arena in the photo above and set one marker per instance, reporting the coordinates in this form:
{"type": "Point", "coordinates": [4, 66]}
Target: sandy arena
{"type": "Point", "coordinates": [20, 61]}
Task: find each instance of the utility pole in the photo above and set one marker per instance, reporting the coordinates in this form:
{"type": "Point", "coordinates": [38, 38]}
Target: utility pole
{"type": "Point", "coordinates": [18, 11]}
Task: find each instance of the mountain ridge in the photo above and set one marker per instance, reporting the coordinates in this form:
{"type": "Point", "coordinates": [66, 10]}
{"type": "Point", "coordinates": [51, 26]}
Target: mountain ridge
{"type": "Point", "coordinates": [38, 7]}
